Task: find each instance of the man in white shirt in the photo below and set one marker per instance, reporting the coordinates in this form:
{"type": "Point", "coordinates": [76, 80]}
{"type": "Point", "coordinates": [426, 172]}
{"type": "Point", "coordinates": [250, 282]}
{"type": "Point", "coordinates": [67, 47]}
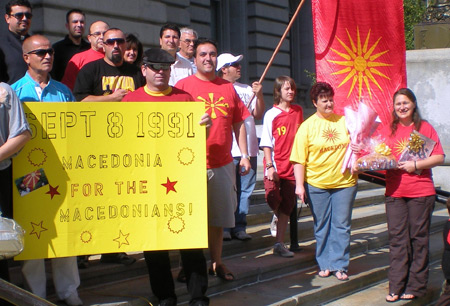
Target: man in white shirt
{"type": "Point", "coordinates": [228, 68]}
{"type": "Point", "coordinates": [187, 41]}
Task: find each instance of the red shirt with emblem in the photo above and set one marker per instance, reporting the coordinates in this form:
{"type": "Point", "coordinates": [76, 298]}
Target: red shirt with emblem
{"type": "Point", "coordinates": [225, 108]}
{"type": "Point", "coordinates": [279, 129]}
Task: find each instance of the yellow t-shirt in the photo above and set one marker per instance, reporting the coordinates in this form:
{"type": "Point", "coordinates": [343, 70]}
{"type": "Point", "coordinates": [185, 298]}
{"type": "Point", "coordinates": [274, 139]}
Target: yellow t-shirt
{"type": "Point", "coordinates": [320, 146]}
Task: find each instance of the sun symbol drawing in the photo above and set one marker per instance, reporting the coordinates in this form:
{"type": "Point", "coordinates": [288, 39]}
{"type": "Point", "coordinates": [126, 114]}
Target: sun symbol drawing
{"type": "Point", "coordinates": [360, 62]}
{"type": "Point", "coordinates": [175, 225]}
{"type": "Point", "coordinates": [330, 134]}
{"type": "Point", "coordinates": [186, 156]}
{"type": "Point", "coordinates": [86, 236]}
{"type": "Point", "coordinates": [400, 146]}
{"type": "Point", "coordinates": [37, 157]}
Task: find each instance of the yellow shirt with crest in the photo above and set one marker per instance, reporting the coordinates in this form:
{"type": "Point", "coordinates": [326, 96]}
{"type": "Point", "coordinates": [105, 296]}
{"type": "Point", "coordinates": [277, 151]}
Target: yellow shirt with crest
{"type": "Point", "coordinates": [320, 145]}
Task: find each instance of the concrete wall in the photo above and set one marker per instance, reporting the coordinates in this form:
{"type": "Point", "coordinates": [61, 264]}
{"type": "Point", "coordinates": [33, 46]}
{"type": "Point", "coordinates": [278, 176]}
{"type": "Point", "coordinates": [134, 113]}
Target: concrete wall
{"type": "Point", "coordinates": [428, 73]}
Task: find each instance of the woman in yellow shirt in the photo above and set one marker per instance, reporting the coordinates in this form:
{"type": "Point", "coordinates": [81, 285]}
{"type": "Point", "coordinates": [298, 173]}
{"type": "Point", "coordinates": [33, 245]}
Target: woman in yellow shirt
{"type": "Point", "coordinates": [318, 153]}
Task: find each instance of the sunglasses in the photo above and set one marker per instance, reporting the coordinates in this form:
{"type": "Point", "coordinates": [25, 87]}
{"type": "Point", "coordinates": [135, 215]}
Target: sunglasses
{"type": "Point", "coordinates": [42, 52]}
{"type": "Point", "coordinates": [158, 66]}
{"type": "Point", "coordinates": [235, 65]}
{"type": "Point", "coordinates": [113, 41]}
{"type": "Point", "coordinates": [19, 16]}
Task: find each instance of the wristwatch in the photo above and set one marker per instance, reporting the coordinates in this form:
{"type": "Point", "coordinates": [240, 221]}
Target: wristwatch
{"type": "Point", "coordinates": [269, 165]}
{"type": "Point", "coordinates": [245, 156]}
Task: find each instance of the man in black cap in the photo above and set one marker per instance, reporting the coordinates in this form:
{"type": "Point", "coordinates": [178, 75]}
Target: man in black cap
{"type": "Point", "coordinates": [156, 70]}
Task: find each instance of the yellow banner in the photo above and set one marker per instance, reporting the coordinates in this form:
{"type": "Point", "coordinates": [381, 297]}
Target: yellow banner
{"type": "Point", "coordinates": [111, 177]}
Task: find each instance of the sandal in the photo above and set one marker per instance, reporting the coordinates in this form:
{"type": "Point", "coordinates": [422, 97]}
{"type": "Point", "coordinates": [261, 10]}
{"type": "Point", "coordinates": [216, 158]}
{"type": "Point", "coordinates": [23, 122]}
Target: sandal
{"type": "Point", "coordinates": [222, 272]}
{"type": "Point", "coordinates": [324, 273]}
{"type": "Point", "coordinates": [392, 297]}
{"type": "Point", "coordinates": [407, 297]}
{"type": "Point", "coordinates": [341, 275]}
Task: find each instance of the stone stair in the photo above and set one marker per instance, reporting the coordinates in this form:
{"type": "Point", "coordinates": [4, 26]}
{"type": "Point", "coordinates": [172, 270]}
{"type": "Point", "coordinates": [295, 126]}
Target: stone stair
{"type": "Point", "coordinates": [264, 279]}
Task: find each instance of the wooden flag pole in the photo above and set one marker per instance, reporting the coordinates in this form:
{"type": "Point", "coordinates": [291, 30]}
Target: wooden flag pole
{"type": "Point", "coordinates": [288, 28]}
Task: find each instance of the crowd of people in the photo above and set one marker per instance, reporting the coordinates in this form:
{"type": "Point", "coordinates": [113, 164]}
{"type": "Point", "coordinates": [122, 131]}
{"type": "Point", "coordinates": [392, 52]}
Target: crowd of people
{"type": "Point", "coordinates": [302, 159]}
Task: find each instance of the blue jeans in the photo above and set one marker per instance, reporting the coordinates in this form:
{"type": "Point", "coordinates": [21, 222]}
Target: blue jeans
{"type": "Point", "coordinates": [244, 185]}
{"type": "Point", "coordinates": [332, 212]}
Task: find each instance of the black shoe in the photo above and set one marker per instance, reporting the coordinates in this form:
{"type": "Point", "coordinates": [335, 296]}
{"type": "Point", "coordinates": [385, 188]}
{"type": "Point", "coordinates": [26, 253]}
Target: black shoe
{"type": "Point", "coordinates": [168, 302]}
{"type": "Point", "coordinates": [117, 258]}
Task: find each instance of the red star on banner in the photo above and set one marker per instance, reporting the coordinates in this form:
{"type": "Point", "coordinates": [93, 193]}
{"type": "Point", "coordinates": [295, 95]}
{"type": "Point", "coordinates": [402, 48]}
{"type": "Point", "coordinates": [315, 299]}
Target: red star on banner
{"type": "Point", "coordinates": [170, 186]}
{"type": "Point", "coordinates": [53, 191]}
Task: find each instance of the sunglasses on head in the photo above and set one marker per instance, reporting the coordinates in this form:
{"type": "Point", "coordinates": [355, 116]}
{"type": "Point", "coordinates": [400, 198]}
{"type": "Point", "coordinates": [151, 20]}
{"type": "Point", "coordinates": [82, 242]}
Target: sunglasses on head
{"type": "Point", "coordinates": [112, 41]}
{"type": "Point", "coordinates": [19, 16]}
{"type": "Point", "coordinates": [42, 52]}
{"type": "Point", "coordinates": [158, 66]}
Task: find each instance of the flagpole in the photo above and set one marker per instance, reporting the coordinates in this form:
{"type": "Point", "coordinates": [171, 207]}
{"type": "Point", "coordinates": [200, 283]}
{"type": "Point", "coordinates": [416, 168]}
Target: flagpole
{"type": "Point", "coordinates": [288, 28]}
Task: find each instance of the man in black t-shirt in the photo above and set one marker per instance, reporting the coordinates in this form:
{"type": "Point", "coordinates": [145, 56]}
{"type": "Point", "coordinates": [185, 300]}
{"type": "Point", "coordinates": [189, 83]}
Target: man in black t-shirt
{"type": "Point", "coordinates": [111, 78]}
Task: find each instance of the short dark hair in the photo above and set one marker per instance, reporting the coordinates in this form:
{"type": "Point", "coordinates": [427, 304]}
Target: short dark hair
{"type": "Point", "coordinates": [321, 89]}
{"type": "Point", "coordinates": [278, 84]}
{"type": "Point", "coordinates": [169, 26]}
{"type": "Point", "coordinates": [203, 41]}
{"type": "Point", "coordinates": [12, 3]}
{"type": "Point", "coordinates": [78, 11]}
{"type": "Point", "coordinates": [133, 40]}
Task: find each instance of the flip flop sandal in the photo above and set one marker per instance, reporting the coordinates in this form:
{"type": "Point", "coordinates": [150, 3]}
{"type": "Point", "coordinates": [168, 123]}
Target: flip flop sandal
{"type": "Point", "coordinates": [394, 298]}
{"type": "Point", "coordinates": [407, 297]}
{"type": "Point", "coordinates": [222, 272]}
{"type": "Point", "coordinates": [342, 276]}
{"type": "Point", "coordinates": [324, 273]}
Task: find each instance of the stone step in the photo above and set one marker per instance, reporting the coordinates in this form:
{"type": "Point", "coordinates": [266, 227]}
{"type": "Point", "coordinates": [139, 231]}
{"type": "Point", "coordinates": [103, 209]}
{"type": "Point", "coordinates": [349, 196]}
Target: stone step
{"type": "Point", "coordinates": [265, 279]}
{"type": "Point", "coordinates": [303, 287]}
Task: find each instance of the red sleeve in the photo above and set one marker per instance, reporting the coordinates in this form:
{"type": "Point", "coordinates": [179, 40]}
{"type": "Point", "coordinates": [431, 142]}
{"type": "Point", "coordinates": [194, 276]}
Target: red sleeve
{"type": "Point", "coordinates": [70, 75]}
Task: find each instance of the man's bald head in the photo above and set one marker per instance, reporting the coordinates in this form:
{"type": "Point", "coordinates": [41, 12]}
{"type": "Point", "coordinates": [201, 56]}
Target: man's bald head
{"type": "Point", "coordinates": [95, 36]}
{"type": "Point", "coordinates": [35, 42]}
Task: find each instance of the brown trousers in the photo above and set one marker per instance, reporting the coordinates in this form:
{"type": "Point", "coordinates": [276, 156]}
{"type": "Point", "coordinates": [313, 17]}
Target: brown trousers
{"type": "Point", "coordinates": [409, 230]}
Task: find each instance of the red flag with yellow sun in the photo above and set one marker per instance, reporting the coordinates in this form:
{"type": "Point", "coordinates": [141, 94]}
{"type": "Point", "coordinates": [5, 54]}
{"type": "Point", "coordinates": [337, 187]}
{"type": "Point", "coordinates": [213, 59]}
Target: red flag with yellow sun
{"type": "Point", "coordinates": [360, 51]}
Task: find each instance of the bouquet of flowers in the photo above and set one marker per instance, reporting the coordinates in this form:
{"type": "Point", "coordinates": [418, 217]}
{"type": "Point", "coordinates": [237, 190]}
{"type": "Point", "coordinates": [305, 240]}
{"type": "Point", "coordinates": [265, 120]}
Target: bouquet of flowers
{"type": "Point", "coordinates": [361, 124]}
{"type": "Point", "coordinates": [380, 158]}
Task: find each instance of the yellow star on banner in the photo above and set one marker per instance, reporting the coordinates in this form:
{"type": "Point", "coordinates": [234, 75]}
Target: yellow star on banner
{"type": "Point", "coordinates": [122, 239]}
{"type": "Point", "coordinates": [37, 229]}
{"type": "Point", "coordinates": [360, 64]}
{"type": "Point", "coordinates": [215, 105]}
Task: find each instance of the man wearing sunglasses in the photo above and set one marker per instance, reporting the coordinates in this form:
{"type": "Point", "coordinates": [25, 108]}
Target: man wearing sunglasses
{"type": "Point", "coordinates": [156, 70]}
{"type": "Point", "coordinates": [95, 36]}
{"type": "Point", "coordinates": [169, 40]}
{"type": "Point", "coordinates": [229, 68]}
{"type": "Point", "coordinates": [38, 86]}
{"type": "Point", "coordinates": [18, 17]}
{"type": "Point", "coordinates": [110, 78]}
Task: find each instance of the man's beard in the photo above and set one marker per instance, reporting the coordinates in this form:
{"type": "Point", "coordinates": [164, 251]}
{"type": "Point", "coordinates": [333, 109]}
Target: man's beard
{"type": "Point", "coordinates": [116, 58]}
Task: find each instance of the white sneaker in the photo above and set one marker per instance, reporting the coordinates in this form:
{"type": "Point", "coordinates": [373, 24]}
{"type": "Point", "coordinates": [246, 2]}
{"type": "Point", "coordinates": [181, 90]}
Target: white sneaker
{"type": "Point", "coordinates": [281, 250]}
{"type": "Point", "coordinates": [273, 226]}
{"type": "Point", "coordinates": [73, 300]}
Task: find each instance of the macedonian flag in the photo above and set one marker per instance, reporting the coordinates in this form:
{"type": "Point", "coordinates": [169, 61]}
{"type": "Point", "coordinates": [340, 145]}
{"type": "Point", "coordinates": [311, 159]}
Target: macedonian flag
{"type": "Point", "coordinates": [360, 51]}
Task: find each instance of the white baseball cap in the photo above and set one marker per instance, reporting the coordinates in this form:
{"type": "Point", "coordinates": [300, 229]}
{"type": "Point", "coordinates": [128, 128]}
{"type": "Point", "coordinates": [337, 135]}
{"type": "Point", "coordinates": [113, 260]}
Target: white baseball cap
{"type": "Point", "coordinates": [227, 58]}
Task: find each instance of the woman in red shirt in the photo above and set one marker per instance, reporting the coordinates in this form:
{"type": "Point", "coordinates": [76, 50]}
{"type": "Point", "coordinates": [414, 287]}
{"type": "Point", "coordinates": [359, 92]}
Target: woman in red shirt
{"type": "Point", "coordinates": [410, 197]}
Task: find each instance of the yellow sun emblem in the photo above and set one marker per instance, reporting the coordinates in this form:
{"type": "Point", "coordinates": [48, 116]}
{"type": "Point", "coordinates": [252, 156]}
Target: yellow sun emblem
{"type": "Point", "coordinates": [360, 64]}
{"type": "Point", "coordinates": [330, 134]}
{"type": "Point", "coordinates": [215, 105]}
{"type": "Point", "coordinates": [401, 145]}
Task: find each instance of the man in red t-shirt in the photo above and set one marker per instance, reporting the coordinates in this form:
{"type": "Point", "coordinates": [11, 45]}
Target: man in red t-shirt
{"type": "Point", "coordinates": [228, 113]}
{"type": "Point", "coordinates": [156, 70]}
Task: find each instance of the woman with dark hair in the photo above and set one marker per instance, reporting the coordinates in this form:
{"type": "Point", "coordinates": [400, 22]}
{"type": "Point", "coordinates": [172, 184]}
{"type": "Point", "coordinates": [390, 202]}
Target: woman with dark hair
{"type": "Point", "coordinates": [134, 51]}
{"type": "Point", "coordinates": [280, 125]}
{"type": "Point", "coordinates": [318, 153]}
{"type": "Point", "coordinates": [410, 197]}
